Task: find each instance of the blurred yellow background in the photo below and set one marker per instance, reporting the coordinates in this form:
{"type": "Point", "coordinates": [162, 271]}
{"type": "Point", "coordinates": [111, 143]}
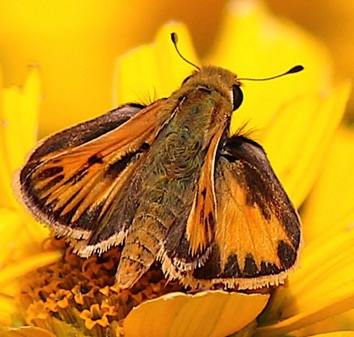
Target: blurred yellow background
{"type": "Point", "coordinates": [75, 43]}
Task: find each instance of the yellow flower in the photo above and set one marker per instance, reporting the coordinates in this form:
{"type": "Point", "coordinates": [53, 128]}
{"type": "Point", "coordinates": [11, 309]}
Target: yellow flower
{"type": "Point", "coordinates": [21, 237]}
{"type": "Point", "coordinates": [294, 118]}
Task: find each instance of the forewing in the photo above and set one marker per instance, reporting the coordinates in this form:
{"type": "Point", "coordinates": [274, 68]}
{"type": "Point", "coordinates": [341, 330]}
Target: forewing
{"type": "Point", "coordinates": [257, 235]}
{"type": "Point", "coordinates": [200, 228]}
{"type": "Point", "coordinates": [73, 179]}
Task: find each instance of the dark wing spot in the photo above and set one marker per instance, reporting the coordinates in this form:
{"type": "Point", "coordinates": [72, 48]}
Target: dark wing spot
{"type": "Point", "coordinates": [286, 254]}
{"type": "Point", "coordinates": [145, 146]}
{"type": "Point", "coordinates": [232, 269]}
{"type": "Point", "coordinates": [49, 172]}
{"type": "Point", "coordinates": [211, 220]}
{"type": "Point", "coordinates": [268, 268]}
{"type": "Point", "coordinates": [94, 159]}
{"type": "Point", "coordinates": [250, 269]}
{"type": "Point", "coordinates": [211, 269]}
{"type": "Point", "coordinates": [78, 176]}
{"type": "Point", "coordinates": [117, 167]}
{"type": "Point", "coordinates": [202, 212]}
{"type": "Point", "coordinates": [50, 184]}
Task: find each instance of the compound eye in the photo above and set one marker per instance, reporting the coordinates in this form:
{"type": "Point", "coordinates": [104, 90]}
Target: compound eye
{"type": "Point", "coordinates": [237, 95]}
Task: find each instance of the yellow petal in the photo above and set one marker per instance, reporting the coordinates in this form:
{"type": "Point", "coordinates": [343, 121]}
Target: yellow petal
{"type": "Point", "coordinates": [156, 70]}
{"type": "Point", "coordinates": [20, 236]}
{"type": "Point", "coordinates": [134, 70]}
{"type": "Point", "coordinates": [304, 319]}
{"type": "Point", "coordinates": [254, 43]}
{"type": "Point", "coordinates": [18, 128]}
{"type": "Point", "coordinates": [336, 334]}
{"type": "Point", "coordinates": [21, 240]}
{"type": "Point", "coordinates": [7, 309]}
{"type": "Point", "coordinates": [335, 323]}
{"type": "Point", "coordinates": [298, 138]}
{"type": "Point", "coordinates": [26, 331]}
{"type": "Point", "coordinates": [26, 265]}
{"type": "Point", "coordinates": [330, 255]}
{"type": "Point", "coordinates": [212, 313]}
{"type": "Point", "coordinates": [332, 197]}
{"type": "Point", "coordinates": [10, 226]}
{"type": "Point", "coordinates": [21, 118]}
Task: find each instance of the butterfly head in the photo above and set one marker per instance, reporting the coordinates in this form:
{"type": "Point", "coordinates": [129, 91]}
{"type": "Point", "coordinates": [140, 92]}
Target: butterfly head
{"type": "Point", "coordinates": [221, 80]}
{"type": "Point", "coordinates": [217, 79]}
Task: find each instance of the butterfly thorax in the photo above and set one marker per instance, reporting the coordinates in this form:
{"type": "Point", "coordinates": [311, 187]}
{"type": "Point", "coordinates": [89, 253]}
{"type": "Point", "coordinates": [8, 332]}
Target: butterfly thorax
{"type": "Point", "coordinates": [174, 161]}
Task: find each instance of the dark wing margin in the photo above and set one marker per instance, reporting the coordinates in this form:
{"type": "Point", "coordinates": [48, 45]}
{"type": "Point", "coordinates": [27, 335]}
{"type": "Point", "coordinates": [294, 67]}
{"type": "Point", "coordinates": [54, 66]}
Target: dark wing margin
{"type": "Point", "coordinates": [86, 131]}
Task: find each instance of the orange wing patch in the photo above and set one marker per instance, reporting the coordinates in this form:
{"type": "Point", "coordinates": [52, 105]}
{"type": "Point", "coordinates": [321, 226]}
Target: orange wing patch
{"type": "Point", "coordinates": [244, 229]}
{"type": "Point", "coordinates": [201, 222]}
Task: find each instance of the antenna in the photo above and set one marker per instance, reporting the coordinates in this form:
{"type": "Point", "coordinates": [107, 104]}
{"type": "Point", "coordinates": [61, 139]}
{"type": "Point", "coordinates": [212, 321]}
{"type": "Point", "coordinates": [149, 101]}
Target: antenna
{"type": "Point", "coordinates": [293, 70]}
{"type": "Point", "coordinates": [174, 38]}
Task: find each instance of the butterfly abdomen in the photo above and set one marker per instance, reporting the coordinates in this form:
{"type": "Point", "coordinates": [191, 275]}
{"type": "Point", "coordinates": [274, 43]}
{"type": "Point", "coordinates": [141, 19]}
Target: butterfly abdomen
{"type": "Point", "coordinates": [159, 210]}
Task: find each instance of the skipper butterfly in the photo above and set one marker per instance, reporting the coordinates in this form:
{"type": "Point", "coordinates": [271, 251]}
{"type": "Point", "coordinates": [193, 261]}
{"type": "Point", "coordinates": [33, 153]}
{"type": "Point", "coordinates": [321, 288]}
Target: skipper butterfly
{"type": "Point", "coordinates": [169, 183]}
